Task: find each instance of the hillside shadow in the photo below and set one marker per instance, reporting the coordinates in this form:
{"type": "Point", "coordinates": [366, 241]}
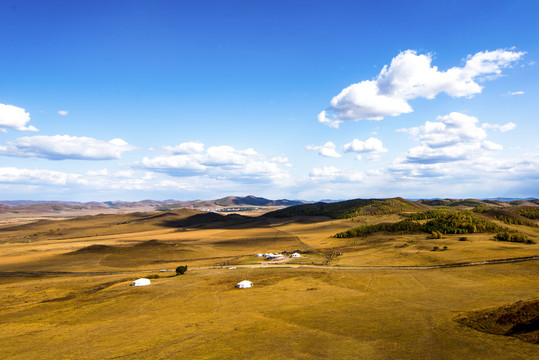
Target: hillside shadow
{"type": "Point", "coordinates": [212, 220]}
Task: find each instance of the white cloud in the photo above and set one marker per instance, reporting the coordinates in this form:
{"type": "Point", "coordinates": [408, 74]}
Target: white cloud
{"type": "Point", "coordinates": [32, 176]}
{"type": "Point", "coordinates": [411, 76]}
{"type": "Point", "coordinates": [63, 112]}
{"type": "Point", "coordinates": [176, 164]}
{"type": "Point", "coordinates": [329, 122]}
{"type": "Point", "coordinates": [490, 146]}
{"type": "Point", "coordinates": [279, 159]}
{"type": "Point", "coordinates": [228, 156]}
{"type": "Point", "coordinates": [185, 148]}
{"type": "Point", "coordinates": [62, 147]}
{"type": "Point", "coordinates": [13, 117]}
{"type": "Point", "coordinates": [502, 128]}
{"type": "Point", "coordinates": [327, 150]}
{"type": "Point", "coordinates": [101, 172]}
{"type": "Point", "coordinates": [455, 137]}
{"type": "Point", "coordinates": [363, 101]}
{"type": "Point", "coordinates": [372, 145]}
{"type": "Point", "coordinates": [222, 162]}
{"type": "Point", "coordinates": [512, 93]}
{"type": "Point", "coordinates": [333, 174]}
{"type": "Point", "coordinates": [452, 129]}
{"type": "Point", "coordinates": [481, 169]}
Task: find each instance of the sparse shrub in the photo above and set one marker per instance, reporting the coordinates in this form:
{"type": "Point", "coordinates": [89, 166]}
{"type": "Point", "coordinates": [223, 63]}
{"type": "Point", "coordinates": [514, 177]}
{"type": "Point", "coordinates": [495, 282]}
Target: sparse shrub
{"type": "Point", "coordinates": [153, 276]}
{"type": "Point", "coordinates": [180, 270]}
{"type": "Point", "coordinates": [463, 238]}
{"type": "Point", "coordinates": [436, 248]}
{"type": "Point", "coordinates": [444, 248]}
{"type": "Point", "coordinates": [435, 235]}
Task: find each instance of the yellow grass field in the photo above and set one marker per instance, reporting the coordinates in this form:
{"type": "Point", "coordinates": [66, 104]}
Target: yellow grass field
{"type": "Point", "coordinates": [65, 294]}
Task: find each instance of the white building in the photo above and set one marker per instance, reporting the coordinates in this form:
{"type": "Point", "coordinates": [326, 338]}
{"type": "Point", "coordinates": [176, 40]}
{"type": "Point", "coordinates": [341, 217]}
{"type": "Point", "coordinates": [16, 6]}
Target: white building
{"type": "Point", "coordinates": [295, 255]}
{"type": "Point", "coordinates": [141, 282]}
{"type": "Point", "coordinates": [245, 284]}
{"type": "Point", "coordinates": [272, 256]}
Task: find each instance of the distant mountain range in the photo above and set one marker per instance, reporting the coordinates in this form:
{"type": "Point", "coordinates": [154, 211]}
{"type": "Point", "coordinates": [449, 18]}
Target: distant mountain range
{"type": "Point", "coordinates": [144, 205]}
{"type": "Point", "coordinates": [285, 207]}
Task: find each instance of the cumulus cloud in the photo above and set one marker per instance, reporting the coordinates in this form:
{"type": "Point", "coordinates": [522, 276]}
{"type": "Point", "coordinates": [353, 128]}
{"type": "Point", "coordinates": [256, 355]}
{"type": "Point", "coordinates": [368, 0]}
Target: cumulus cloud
{"type": "Point", "coordinates": [32, 176]}
{"type": "Point", "coordinates": [92, 179]}
{"type": "Point", "coordinates": [62, 147]}
{"type": "Point", "coordinates": [13, 117]}
{"type": "Point", "coordinates": [372, 146]}
{"type": "Point", "coordinates": [175, 165]}
{"type": "Point", "coordinates": [327, 150]}
{"type": "Point", "coordinates": [185, 148]}
{"type": "Point", "coordinates": [451, 129]}
{"type": "Point", "coordinates": [454, 137]}
{"type": "Point", "coordinates": [228, 156]}
{"type": "Point", "coordinates": [223, 162]}
{"type": "Point", "coordinates": [63, 112]}
{"type": "Point", "coordinates": [333, 174]}
{"type": "Point", "coordinates": [502, 128]}
{"type": "Point", "coordinates": [409, 76]}
{"type": "Point", "coordinates": [482, 168]}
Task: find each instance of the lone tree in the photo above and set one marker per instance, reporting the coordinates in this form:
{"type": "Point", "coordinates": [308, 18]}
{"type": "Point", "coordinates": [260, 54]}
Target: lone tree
{"type": "Point", "coordinates": [180, 270]}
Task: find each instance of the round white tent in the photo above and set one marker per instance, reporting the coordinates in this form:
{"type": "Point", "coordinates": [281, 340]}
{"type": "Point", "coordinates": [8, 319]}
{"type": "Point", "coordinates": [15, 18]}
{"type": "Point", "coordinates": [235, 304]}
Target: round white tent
{"type": "Point", "coordinates": [245, 284]}
{"type": "Point", "coordinates": [141, 282]}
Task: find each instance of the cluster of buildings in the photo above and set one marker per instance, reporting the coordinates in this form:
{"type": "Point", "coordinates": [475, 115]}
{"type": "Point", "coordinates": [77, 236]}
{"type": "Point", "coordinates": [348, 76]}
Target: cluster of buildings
{"type": "Point", "coordinates": [271, 256]}
{"type": "Point", "coordinates": [245, 284]}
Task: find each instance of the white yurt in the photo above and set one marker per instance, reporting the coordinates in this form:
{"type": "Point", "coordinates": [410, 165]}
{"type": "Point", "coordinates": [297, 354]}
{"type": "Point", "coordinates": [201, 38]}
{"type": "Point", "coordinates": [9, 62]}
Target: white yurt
{"type": "Point", "coordinates": [141, 282]}
{"type": "Point", "coordinates": [295, 255]}
{"type": "Point", "coordinates": [245, 284]}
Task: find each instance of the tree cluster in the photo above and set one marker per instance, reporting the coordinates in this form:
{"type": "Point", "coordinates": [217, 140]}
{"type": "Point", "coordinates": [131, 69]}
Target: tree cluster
{"type": "Point", "coordinates": [506, 236]}
{"type": "Point", "coordinates": [442, 222]}
{"type": "Point", "coordinates": [530, 213]}
{"type": "Point", "coordinates": [513, 220]}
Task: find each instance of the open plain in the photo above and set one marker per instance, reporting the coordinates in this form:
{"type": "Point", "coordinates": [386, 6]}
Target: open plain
{"type": "Point", "coordinates": [65, 294]}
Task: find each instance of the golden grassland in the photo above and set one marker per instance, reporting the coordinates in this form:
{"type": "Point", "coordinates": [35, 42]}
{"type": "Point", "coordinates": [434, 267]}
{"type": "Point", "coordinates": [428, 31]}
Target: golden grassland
{"type": "Point", "coordinates": [329, 312]}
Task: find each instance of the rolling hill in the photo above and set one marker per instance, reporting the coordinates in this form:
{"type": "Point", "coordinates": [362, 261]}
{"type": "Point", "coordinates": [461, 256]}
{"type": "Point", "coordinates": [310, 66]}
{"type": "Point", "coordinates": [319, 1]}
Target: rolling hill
{"type": "Point", "coordinates": [350, 208]}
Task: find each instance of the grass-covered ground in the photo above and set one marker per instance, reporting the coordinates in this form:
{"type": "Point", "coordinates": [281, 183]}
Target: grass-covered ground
{"type": "Point", "coordinates": [294, 313]}
{"type": "Point", "coordinates": [328, 312]}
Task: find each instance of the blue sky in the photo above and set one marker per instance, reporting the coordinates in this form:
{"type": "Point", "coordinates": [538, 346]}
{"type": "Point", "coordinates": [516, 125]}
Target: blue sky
{"type": "Point", "coordinates": [129, 100]}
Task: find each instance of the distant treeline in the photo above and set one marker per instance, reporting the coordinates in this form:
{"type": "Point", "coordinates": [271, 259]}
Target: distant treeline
{"type": "Point", "coordinates": [514, 220]}
{"type": "Point", "coordinates": [440, 221]}
{"type": "Point", "coordinates": [530, 213]}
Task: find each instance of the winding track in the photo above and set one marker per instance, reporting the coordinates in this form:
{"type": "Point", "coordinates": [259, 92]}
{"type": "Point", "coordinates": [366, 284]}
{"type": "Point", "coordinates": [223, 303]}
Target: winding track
{"type": "Point", "coordinates": [429, 267]}
{"type": "Point", "coordinates": [294, 266]}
